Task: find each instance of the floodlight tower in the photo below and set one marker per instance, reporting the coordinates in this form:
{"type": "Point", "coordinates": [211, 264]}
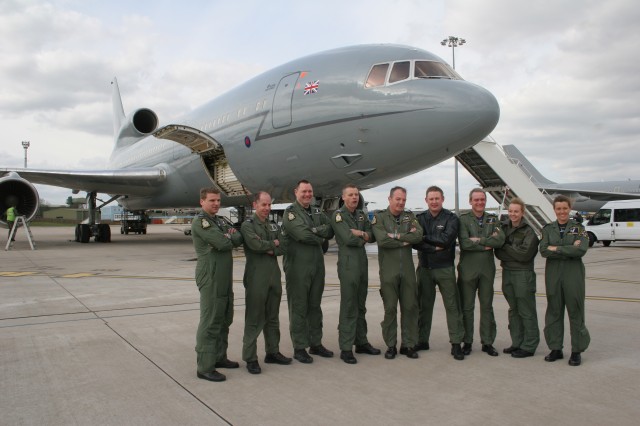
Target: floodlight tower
{"type": "Point", "coordinates": [454, 42]}
{"type": "Point", "coordinates": [25, 145]}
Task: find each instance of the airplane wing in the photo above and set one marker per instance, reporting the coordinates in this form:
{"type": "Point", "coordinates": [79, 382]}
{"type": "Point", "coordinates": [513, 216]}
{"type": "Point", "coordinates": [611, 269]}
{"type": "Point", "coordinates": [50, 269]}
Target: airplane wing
{"type": "Point", "coordinates": [134, 181]}
{"type": "Point", "coordinates": [578, 193]}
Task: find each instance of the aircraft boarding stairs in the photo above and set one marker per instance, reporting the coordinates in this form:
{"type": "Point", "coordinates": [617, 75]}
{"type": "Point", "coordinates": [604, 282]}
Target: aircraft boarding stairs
{"type": "Point", "coordinates": [504, 180]}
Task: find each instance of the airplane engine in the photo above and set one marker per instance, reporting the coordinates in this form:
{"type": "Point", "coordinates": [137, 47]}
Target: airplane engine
{"type": "Point", "coordinates": [19, 192]}
{"type": "Point", "coordinates": [141, 123]}
{"type": "Point", "coordinates": [144, 121]}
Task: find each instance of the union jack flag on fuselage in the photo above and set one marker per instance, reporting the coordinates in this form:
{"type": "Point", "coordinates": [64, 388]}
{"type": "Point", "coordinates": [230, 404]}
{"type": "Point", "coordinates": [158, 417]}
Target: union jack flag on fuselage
{"type": "Point", "coordinates": [311, 87]}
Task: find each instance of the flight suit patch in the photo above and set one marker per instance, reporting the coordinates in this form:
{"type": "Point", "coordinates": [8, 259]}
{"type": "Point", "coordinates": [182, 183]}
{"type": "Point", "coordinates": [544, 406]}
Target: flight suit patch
{"type": "Point", "coordinates": [291, 216]}
{"type": "Point", "coordinates": [338, 218]}
{"type": "Point", "coordinates": [491, 219]}
{"type": "Point", "coordinates": [375, 220]}
{"type": "Point", "coordinates": [205, 224]}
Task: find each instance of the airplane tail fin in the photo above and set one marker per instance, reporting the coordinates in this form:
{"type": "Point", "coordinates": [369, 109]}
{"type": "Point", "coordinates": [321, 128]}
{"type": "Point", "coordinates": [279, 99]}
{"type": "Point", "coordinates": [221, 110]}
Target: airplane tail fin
{"type": "Point", "coordinates": [118, 110]}
{"type": "Point", "coordinates": [525, 165]}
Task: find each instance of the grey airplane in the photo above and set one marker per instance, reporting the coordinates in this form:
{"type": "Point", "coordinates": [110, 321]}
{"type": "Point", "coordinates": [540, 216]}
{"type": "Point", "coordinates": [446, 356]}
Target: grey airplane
{"type": "Point", "coordinates": [366, 114]}
{"type": "Point", "coordinates": [587, 196]}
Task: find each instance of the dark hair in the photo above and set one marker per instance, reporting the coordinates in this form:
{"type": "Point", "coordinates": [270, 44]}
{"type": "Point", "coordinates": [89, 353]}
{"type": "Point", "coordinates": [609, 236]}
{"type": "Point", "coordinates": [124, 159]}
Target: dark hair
{"type": "Point", "coordinates": [395, 188]}
{"type": "Point", "coordinates": [562, 199]}
{"type": "Point", "coordinates": [302, 181]}
{"type": "Point", "coordinates": [210, 190]}
{"type": "Point", "coordinates": [434, 188]}
{"type": "Point", "coordinates": [349, 185]}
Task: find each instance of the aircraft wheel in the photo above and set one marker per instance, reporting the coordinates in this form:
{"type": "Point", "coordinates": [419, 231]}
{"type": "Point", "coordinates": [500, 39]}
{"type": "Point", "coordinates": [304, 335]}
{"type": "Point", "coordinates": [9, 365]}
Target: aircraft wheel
{"type": "Point", "coordinates": [144, 232]}
{"type": "Point", "coordinates": [85, 233]}
{"type": "Point", "coordinates": [606, 243]}
{"type": "Point", "coordinates": [104, 233]}
{"type": "Point", "coordinates": [592, 239]}
{"type": "Point", "coordinates": [77, 240]}
{"type": "Point", "coordinates": [121, 230]}
{"type": "Point", "coordinates": [126, 231]}
{"type": "Point", "coordinates": [107, 233]}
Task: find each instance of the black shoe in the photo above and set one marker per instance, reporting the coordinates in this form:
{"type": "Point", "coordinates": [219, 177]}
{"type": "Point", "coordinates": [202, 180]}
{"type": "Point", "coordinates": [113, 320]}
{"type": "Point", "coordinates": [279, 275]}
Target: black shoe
{"type": "Point", "coordinates": [510, 350]}
{"type": "Point", "coordinates": [456, 351]}
{"type": "Point", "coordinates": [489, 349]}
{"type": "Point", "coordinates": [320, 350]}
{"type": "Point", "coordinates": [367, 349]}
{"type": "Point", "coordinates": [347, 356]}
{"type": "Point", "coordinates": [409, 352]}
{"type": "Point", "coordinates": [575, 359]}
{"type": "Point", "coordinates": [554, 355]}
{"type": "Point", "coordinates": [421, 346]}
{"type": "Point", "coordinates": [521, 353]}
{"type": "Point", "coordinates": [213, 376]}
{"type": "Point", "coordinates": [466, 348]}
{"type": "Point", "coordinates": [227, 363]}
{"type": "Point", "coordinates": [277, 358]}
{"type": "Point", "coordinates": [253, 367]}
{"type": "Point", "coordinates": [391, 352]}
{"type": "Point", "coordinates": [302, 356]}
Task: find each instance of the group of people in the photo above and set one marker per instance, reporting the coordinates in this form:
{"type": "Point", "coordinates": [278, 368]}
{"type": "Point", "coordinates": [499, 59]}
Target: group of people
{"type": "Point", "coordinates": [397, 232]}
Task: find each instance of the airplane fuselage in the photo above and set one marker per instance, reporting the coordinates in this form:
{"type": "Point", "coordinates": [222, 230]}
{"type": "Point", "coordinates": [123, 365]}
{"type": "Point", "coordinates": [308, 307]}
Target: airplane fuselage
{"type": "Point", "coordinates": [314, 119]}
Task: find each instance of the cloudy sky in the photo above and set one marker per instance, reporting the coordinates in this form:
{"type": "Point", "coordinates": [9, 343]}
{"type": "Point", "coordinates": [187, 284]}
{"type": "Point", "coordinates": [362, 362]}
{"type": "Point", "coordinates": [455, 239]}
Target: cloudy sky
{"type": "Point", "coordinates": [566, 72]}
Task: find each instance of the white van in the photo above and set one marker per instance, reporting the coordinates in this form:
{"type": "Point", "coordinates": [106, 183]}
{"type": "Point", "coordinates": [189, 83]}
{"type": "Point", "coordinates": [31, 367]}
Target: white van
{"type": "Point", "coordinates": [615, 221]}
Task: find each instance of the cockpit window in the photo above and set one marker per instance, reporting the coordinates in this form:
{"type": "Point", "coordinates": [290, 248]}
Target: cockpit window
{"type": "Point", "coordinates": [400, 71]}
{"type": "Point", "coordinates": [377, 75]}
{"type": "Point", "coordinates": [430, 69]}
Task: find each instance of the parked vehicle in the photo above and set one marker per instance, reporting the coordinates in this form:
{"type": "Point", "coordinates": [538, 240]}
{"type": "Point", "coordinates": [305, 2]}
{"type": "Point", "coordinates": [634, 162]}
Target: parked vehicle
{"type": "Point", "coordinates": [615, 221]}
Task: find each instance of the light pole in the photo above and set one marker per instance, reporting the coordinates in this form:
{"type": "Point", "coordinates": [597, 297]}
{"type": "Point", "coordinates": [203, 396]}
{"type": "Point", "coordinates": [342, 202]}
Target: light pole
{"type": "Point", "coordinates": [454, 42]}
{"type": "Point", "coordinates": [25, 145]}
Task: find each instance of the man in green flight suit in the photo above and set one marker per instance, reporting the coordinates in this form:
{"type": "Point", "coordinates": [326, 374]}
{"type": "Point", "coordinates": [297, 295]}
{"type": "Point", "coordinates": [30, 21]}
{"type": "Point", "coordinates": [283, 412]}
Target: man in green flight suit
{"type": "Point", "coordinates": [353, 230]}
{"type": "Point", "coordinates": [480, 233]}
{"type": "Point", "coordinates": [395, 230]}
{"type": "Point", "coordinates": [263, 289]}
{"type": "Point", "coordinates": [564, 243]}
{"type": "Point", "coordinates": [213, 240]}
{"type": "Point", "coordinates": [519, 281]}
{"type": "Point", "coordinates": [11, 214]}
{"type": "Point", "coordinates": [305, 228]}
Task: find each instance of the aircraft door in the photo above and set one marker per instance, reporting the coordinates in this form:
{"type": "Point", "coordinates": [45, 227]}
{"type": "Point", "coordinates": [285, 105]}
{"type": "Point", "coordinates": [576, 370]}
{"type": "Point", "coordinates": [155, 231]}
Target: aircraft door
{"type": "Point", "coordinates": [282, 99]}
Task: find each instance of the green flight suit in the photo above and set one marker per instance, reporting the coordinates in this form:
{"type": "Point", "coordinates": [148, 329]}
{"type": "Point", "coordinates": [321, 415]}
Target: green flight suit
{"type": "Point", "coordinates": [476, 272]}
{"type": "Point", "coordinates": [305, 231]}
{"type": "Point", "coordinates": [519, 284]}
{"type": "Point", "coordinates": [214, 270]}
{"type": "Point", "coordinates": [564, 278]}
{"type": "Point", "coordinates": [397, 275]}
{"type": "Point", "coordinates": [353, 272]}
{"type": "Point", "coordinates": [263, 287]}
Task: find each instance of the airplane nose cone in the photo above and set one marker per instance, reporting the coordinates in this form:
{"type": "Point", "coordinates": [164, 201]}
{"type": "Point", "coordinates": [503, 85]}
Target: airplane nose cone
{"type": "Point", "coordinates": [474, 113]}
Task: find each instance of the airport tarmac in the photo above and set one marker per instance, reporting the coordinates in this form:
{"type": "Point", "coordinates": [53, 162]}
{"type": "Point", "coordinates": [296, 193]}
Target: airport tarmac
{"type": "Point", "coordinates": [104, 334]}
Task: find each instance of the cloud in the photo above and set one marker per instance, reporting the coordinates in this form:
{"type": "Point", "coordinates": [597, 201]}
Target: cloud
{"type": "Point", "coordinates": [565, 72]}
